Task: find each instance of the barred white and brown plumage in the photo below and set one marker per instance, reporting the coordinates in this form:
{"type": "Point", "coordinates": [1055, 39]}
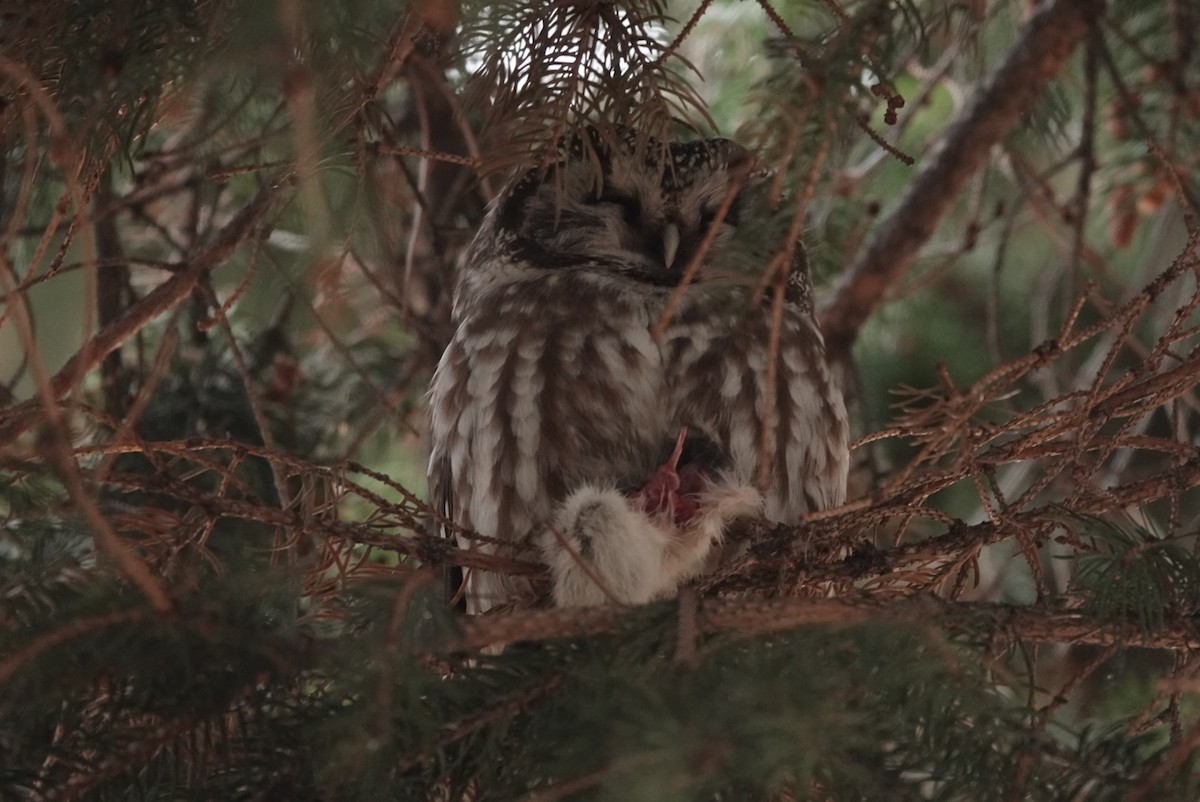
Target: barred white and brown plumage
{"type": "Point", "coordinates": [554, 407]}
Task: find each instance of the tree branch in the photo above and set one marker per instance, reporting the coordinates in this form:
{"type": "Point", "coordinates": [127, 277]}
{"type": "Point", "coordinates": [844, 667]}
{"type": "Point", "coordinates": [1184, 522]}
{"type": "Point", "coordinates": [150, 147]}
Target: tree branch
{"type": "Point", "coordinates": [18, 418]}
{"type": "Point", "coordinates": [1039, 54]}
{"type": "Point", "coordinates": [752, 617]}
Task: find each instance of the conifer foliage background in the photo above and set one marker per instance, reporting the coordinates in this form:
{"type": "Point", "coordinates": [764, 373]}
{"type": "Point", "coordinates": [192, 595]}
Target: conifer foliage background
{"type": "Point", "coordinates": [227, 237]}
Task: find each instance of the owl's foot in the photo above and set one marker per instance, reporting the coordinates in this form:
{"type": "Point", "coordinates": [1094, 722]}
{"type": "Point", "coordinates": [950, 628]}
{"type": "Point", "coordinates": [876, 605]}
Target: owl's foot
{"type": "Point", "coordinates": [603, 547]}
{"type": "Point", "coordinates": [696, 502]}
{"type": "Point", "coordinates": [600, 549]}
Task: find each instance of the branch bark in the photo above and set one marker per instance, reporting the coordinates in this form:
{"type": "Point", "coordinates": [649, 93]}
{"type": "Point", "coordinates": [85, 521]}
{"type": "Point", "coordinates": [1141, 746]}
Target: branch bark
{"type": "Point", "coordinates": [1010, 92]}
{"type": "Point", "coordinates": [751, 617]}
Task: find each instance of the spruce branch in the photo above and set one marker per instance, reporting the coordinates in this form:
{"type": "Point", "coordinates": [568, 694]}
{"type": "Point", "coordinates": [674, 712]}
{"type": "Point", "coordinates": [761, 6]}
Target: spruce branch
{"type": "Point", "coordinates": [1047, 41]}
{"type": "Point", "coordinates": [751, 617]}
{"type": "Point", "coordinates": [18, 418]}
{"type": "Point", "coordinates": [66, 633]}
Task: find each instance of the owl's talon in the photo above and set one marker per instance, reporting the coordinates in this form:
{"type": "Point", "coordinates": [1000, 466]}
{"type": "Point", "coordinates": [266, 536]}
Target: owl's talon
{"type": "Point", "coordinates": [671, 491]}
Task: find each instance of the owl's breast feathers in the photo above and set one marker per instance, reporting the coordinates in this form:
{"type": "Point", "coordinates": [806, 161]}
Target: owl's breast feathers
{"type": "Point", "coordinates": [554, 381]}
{"type": "Point", "coordinates": [548, 383]}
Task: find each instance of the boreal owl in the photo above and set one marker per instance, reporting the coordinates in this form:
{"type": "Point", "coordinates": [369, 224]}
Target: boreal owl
{"type": "Point", "coordinates": [562, 426]}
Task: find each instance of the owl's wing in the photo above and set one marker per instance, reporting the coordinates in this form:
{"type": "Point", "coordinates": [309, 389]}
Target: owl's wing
{"type": "Point", "coordinates": [446, 398]}
{"type": "Point", "coordinates": [441, 498]}
{"type": "Point", "coordinates": [760, 402]}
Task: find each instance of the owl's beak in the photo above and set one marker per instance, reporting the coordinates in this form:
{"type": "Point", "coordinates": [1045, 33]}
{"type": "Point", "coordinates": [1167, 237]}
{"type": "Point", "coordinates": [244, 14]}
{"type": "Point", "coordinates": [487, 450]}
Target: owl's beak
{"type": "Point", "coordinates": [670, 242]}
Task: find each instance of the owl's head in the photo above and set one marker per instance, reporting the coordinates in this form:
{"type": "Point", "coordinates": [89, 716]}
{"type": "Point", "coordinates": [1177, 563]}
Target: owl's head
{"type": "Point", "coordinates": [635, 207]}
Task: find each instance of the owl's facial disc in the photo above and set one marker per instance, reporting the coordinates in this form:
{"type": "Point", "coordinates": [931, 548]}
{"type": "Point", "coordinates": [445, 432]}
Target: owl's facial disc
{"type": "Point", "coordinates": [642, 219]}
